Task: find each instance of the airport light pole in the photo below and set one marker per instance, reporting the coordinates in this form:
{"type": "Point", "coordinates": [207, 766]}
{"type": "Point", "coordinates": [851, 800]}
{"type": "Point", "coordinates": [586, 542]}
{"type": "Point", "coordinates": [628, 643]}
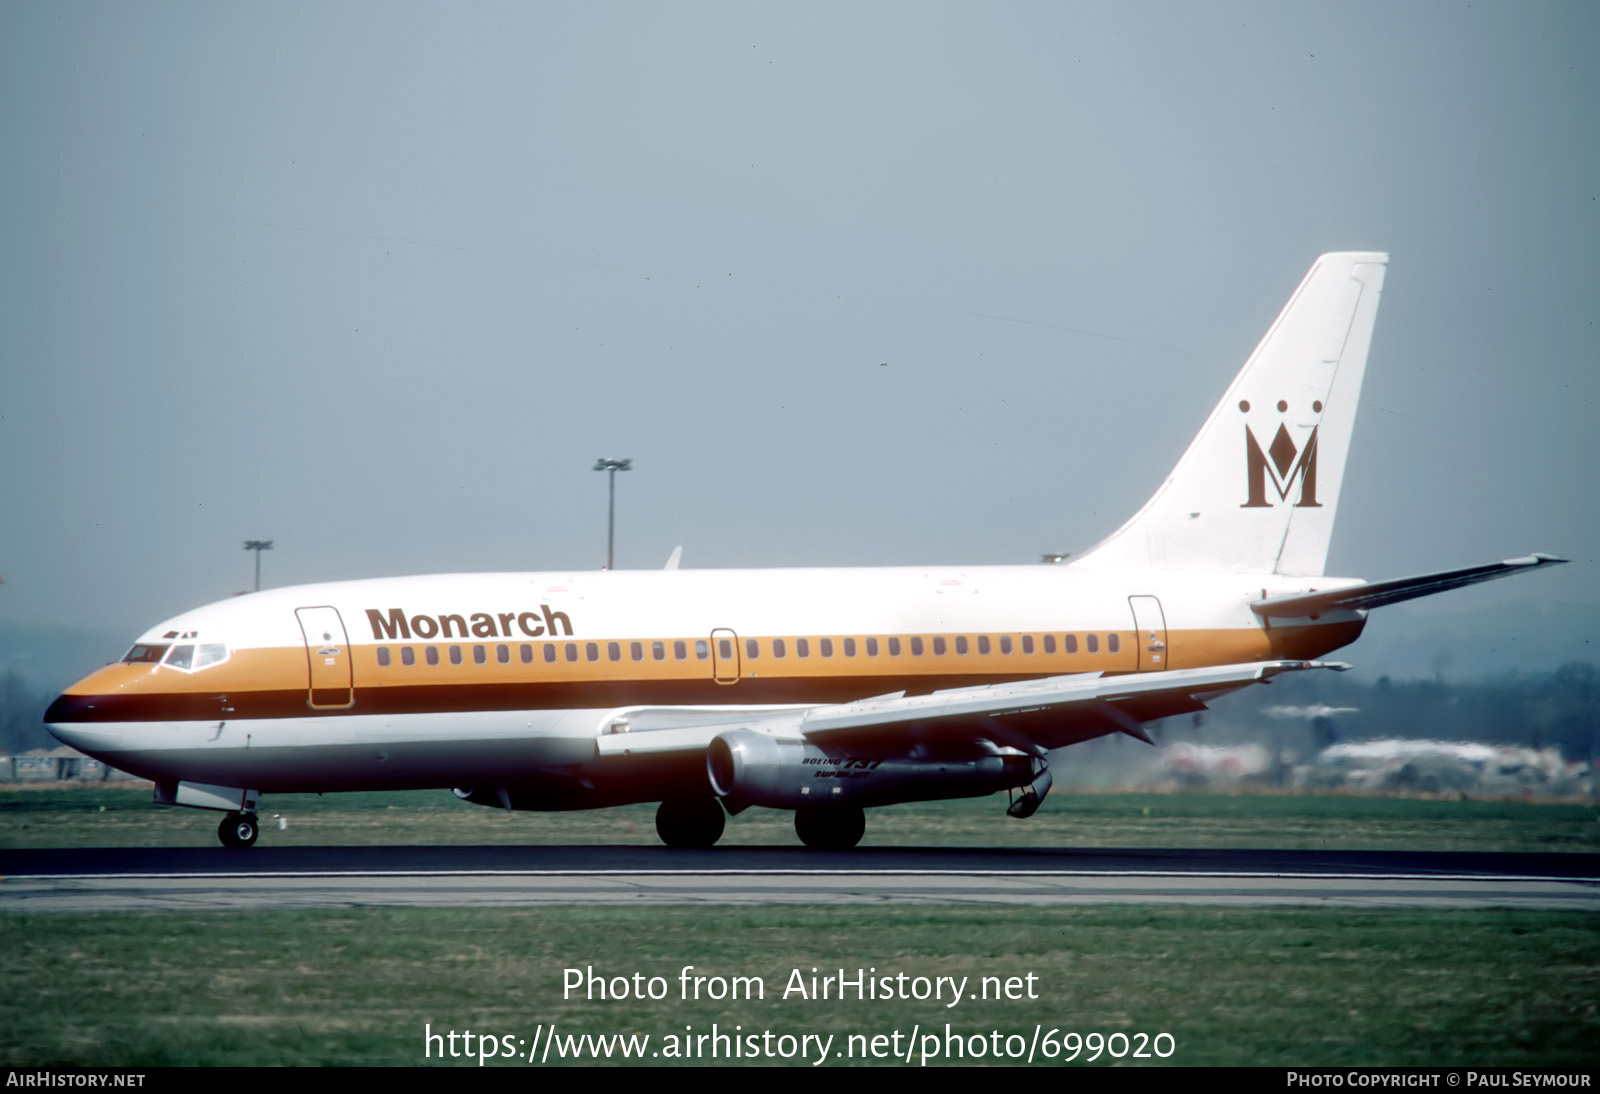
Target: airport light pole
{"type": "Point", "coordinates": [258, 545]}
{"type": "Point", "coordinates": [612, 466]}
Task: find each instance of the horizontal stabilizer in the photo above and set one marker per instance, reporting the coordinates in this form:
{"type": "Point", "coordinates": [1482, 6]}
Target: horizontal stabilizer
{"type": "Point", "coordinates": [1376, 594]}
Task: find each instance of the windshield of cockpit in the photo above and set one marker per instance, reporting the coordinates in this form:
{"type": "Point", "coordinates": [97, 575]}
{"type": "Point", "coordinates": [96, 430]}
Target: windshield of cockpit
{"type": "Point", "coordinates": [188, 656]}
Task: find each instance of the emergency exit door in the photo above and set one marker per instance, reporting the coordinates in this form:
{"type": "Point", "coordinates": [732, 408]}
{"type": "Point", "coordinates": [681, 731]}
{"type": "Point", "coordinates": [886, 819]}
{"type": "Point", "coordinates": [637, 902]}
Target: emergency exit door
{"type": "Point", "coordinates": [724, 656]}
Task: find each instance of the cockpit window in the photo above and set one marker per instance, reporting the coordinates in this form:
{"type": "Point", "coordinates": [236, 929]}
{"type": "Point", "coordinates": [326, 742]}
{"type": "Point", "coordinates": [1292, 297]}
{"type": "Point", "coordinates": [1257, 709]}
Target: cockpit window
{"type": "Point", "coordinates": [192, 658]}
{"type": "Point", "coordinates": [149, 654]}
{"type": "Point", "coordinates": [212, 653]}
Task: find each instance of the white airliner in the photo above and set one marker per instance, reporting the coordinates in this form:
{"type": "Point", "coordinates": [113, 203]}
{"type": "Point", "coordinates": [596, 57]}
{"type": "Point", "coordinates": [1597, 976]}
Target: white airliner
{"type": "Point", "coordinates": [820, 691]}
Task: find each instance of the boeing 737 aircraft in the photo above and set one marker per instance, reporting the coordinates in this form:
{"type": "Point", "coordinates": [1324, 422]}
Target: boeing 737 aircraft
{"type": "Point", "coordinates": [819, 691]}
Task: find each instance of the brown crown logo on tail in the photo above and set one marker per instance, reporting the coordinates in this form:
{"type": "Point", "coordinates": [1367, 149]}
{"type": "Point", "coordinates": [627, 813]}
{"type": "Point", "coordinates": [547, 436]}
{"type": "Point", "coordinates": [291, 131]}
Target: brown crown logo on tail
{"type": "Point", "coordinates": [1279, 464]}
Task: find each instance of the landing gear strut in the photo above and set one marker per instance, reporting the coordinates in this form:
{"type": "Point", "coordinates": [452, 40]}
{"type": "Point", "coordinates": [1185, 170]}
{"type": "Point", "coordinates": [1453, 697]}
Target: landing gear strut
{"type": "Point", "coordinates": [830, 828]}
{"type": "Point", "coordinates": [690, 822]}
{"type": "Point", "coordinates": [238, 829]}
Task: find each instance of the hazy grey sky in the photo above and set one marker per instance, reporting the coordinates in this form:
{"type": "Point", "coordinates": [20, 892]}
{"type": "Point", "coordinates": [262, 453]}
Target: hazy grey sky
{"type": "Point", "coordinates": [852, 284]}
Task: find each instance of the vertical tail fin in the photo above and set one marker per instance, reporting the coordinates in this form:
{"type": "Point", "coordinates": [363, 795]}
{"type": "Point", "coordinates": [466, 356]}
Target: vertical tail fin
{"type": "Point", "coordinates": [1257, 489]}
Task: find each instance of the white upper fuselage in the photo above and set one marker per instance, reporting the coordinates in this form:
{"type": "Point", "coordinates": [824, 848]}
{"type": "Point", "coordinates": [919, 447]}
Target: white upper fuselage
{"type": "Point", "coordinates": [629, 604]}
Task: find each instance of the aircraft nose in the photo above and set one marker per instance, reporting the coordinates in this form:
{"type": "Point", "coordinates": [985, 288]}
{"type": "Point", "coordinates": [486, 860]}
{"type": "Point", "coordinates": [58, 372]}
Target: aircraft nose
{"type": "Point", "coordinates": [62, 719]}
{"type": "Point", "coordinates": [73, 720]}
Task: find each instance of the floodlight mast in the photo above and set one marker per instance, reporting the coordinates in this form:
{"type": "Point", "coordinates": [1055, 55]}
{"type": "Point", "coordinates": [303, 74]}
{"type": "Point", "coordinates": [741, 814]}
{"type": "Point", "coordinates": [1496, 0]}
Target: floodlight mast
{"type": "Point", "coordinates": [258, 545]}
{"type": "Point", "coordinates": [612, 466]}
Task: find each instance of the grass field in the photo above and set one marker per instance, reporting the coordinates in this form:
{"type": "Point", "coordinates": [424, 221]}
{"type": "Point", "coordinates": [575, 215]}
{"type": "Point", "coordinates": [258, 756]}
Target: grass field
{"type": "Point", "coordinates": [112, 817]}
{"type": "Point", "coordinates": [1231, 986]}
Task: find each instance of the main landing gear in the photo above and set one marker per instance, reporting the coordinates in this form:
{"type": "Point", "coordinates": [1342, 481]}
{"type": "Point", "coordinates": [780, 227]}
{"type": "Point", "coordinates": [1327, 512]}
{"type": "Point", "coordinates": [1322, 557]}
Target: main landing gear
{"type": "Point", "coordinates": [239, 829]}
{"type": "Point", "coordinates": [690, 822]}
{"type": "Point", "coordinates": [830, 827]}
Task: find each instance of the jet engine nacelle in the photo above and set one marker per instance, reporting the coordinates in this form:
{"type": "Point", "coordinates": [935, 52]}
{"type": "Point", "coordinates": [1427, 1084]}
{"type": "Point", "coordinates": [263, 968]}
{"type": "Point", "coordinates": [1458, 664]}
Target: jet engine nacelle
{"type": "Point", "coordinates": [749, 768]}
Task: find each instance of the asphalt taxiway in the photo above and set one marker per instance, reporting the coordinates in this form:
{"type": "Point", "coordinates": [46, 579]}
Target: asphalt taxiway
{"type": "Point", "coordinates": [105, 879]}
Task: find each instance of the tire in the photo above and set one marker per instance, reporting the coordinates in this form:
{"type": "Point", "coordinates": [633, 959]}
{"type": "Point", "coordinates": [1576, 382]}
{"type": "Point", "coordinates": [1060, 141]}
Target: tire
{"type": "Point", "coordinates": [690, 822]}
{"type": "Point", "coordinates": [830, 828]}
{"type": "Point", "coordinates": [238, 830]}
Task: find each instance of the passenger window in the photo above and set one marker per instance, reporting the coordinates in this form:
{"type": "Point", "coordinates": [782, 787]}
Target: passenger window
{"type": "Point", "coordinates": [961, 644]}
{"type": "Point", "coordinates": [636, 650]}
{"type": "Point", "coordinates": [181, 657]}
{"type": "Point", "coordinates": [614, 650]}
{"type": "Point", "coordinates": [455, 655]}
{"type": "Point", "coordinates": [1070, 643]}
{"type": "Point", "coordinates": [725, 649]}
{"type": "Point", "coordinates": [1049, 643]}
{"type": "Point", "coordinates": [1093, 643]}
{"type": "Point", "coordinates": [849, 647]}
{"type": "Point", "coordinates": [680, 651]}
{"type": "Point", "coordinates": [983, 643]}
{"type": "Point", "coordinates": [591, 650]}
{"type": "Point", "coordinates": [778, 648]}
{"type": "Point", "coordinates": [1005, 643]}
{"type": "Point", "coordinates": [502, 654]}
{"type": "Point", "coordinates": [408, 656]}
{"type": "Point", "coordinates": [1027, 643]}
{"type": "Point", "coordinates": [432, 655]}
{"type": "Point", "coordinates": [802, 648]}
{"type": "Point", "coordinates": [894, 647]}
{"type": "Point", "coordinates": [752, 648]}
{"type": "Point", "coordinates": [658, 650]}
{"type": "Point", "coordinates": [572, 651]}
{"type": "Point", "coordinates": [1113, 643]}
{"type": "Point", "coordinates": [825, 646]}
{"type": "Point", "coordinates": [938, 645]}
{"type": "Point", "coordinates": [383, 656]}
{"type": "Point", "coordinates": [872, 647]}
{"type": "Point", "coordinates": [527, 653]}
{"type": "Point", "coordinates": [916, 647]}
{"type": "Point", "coordinates": [702, 649]}
{"type": "Point", "coordinates": [479, 655]}
{"type": "Point", "coordinates": [549, 653]}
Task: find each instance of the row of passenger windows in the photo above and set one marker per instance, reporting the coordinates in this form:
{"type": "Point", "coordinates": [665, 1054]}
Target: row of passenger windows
{"type": "Point", "coordinates": [778, 648]}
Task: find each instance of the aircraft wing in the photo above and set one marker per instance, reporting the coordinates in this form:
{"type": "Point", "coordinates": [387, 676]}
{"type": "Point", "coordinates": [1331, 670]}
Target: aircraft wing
{"type": "Point", "coordinates": [1034, 715]}
{"type": "Point", "coordinates": [1375, 594]}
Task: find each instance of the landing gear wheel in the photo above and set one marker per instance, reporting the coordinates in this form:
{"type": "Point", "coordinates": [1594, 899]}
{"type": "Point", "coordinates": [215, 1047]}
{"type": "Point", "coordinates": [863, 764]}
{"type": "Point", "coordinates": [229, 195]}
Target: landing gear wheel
{"type": "Point", "coordinates": [830, 828]}
{"type": "Point", "coordinates": [238, 830]}
{"type": "Point", "coordinates": [690, 822]}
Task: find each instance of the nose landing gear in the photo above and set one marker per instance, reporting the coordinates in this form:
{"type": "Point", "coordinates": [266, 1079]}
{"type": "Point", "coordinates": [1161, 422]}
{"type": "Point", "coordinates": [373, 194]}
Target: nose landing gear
{"type": "Point", "coordinates": [238, 829]}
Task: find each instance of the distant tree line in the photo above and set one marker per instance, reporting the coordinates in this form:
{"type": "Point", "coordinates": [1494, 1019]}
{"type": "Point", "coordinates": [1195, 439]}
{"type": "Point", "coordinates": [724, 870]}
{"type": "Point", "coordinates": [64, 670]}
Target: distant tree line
{"type": "Point", "coordinates": [22, 708]}
{"type": "Point", "coordinates": [1559, 709]}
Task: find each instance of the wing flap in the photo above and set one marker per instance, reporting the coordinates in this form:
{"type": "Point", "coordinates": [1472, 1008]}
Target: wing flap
{"type": "Point", "coordinates": [1051, 712]}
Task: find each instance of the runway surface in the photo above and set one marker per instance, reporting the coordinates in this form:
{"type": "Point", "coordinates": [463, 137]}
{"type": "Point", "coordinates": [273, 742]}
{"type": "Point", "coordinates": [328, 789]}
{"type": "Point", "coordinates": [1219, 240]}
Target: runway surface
{"type": "Point", "coordinates": [105, 879]}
